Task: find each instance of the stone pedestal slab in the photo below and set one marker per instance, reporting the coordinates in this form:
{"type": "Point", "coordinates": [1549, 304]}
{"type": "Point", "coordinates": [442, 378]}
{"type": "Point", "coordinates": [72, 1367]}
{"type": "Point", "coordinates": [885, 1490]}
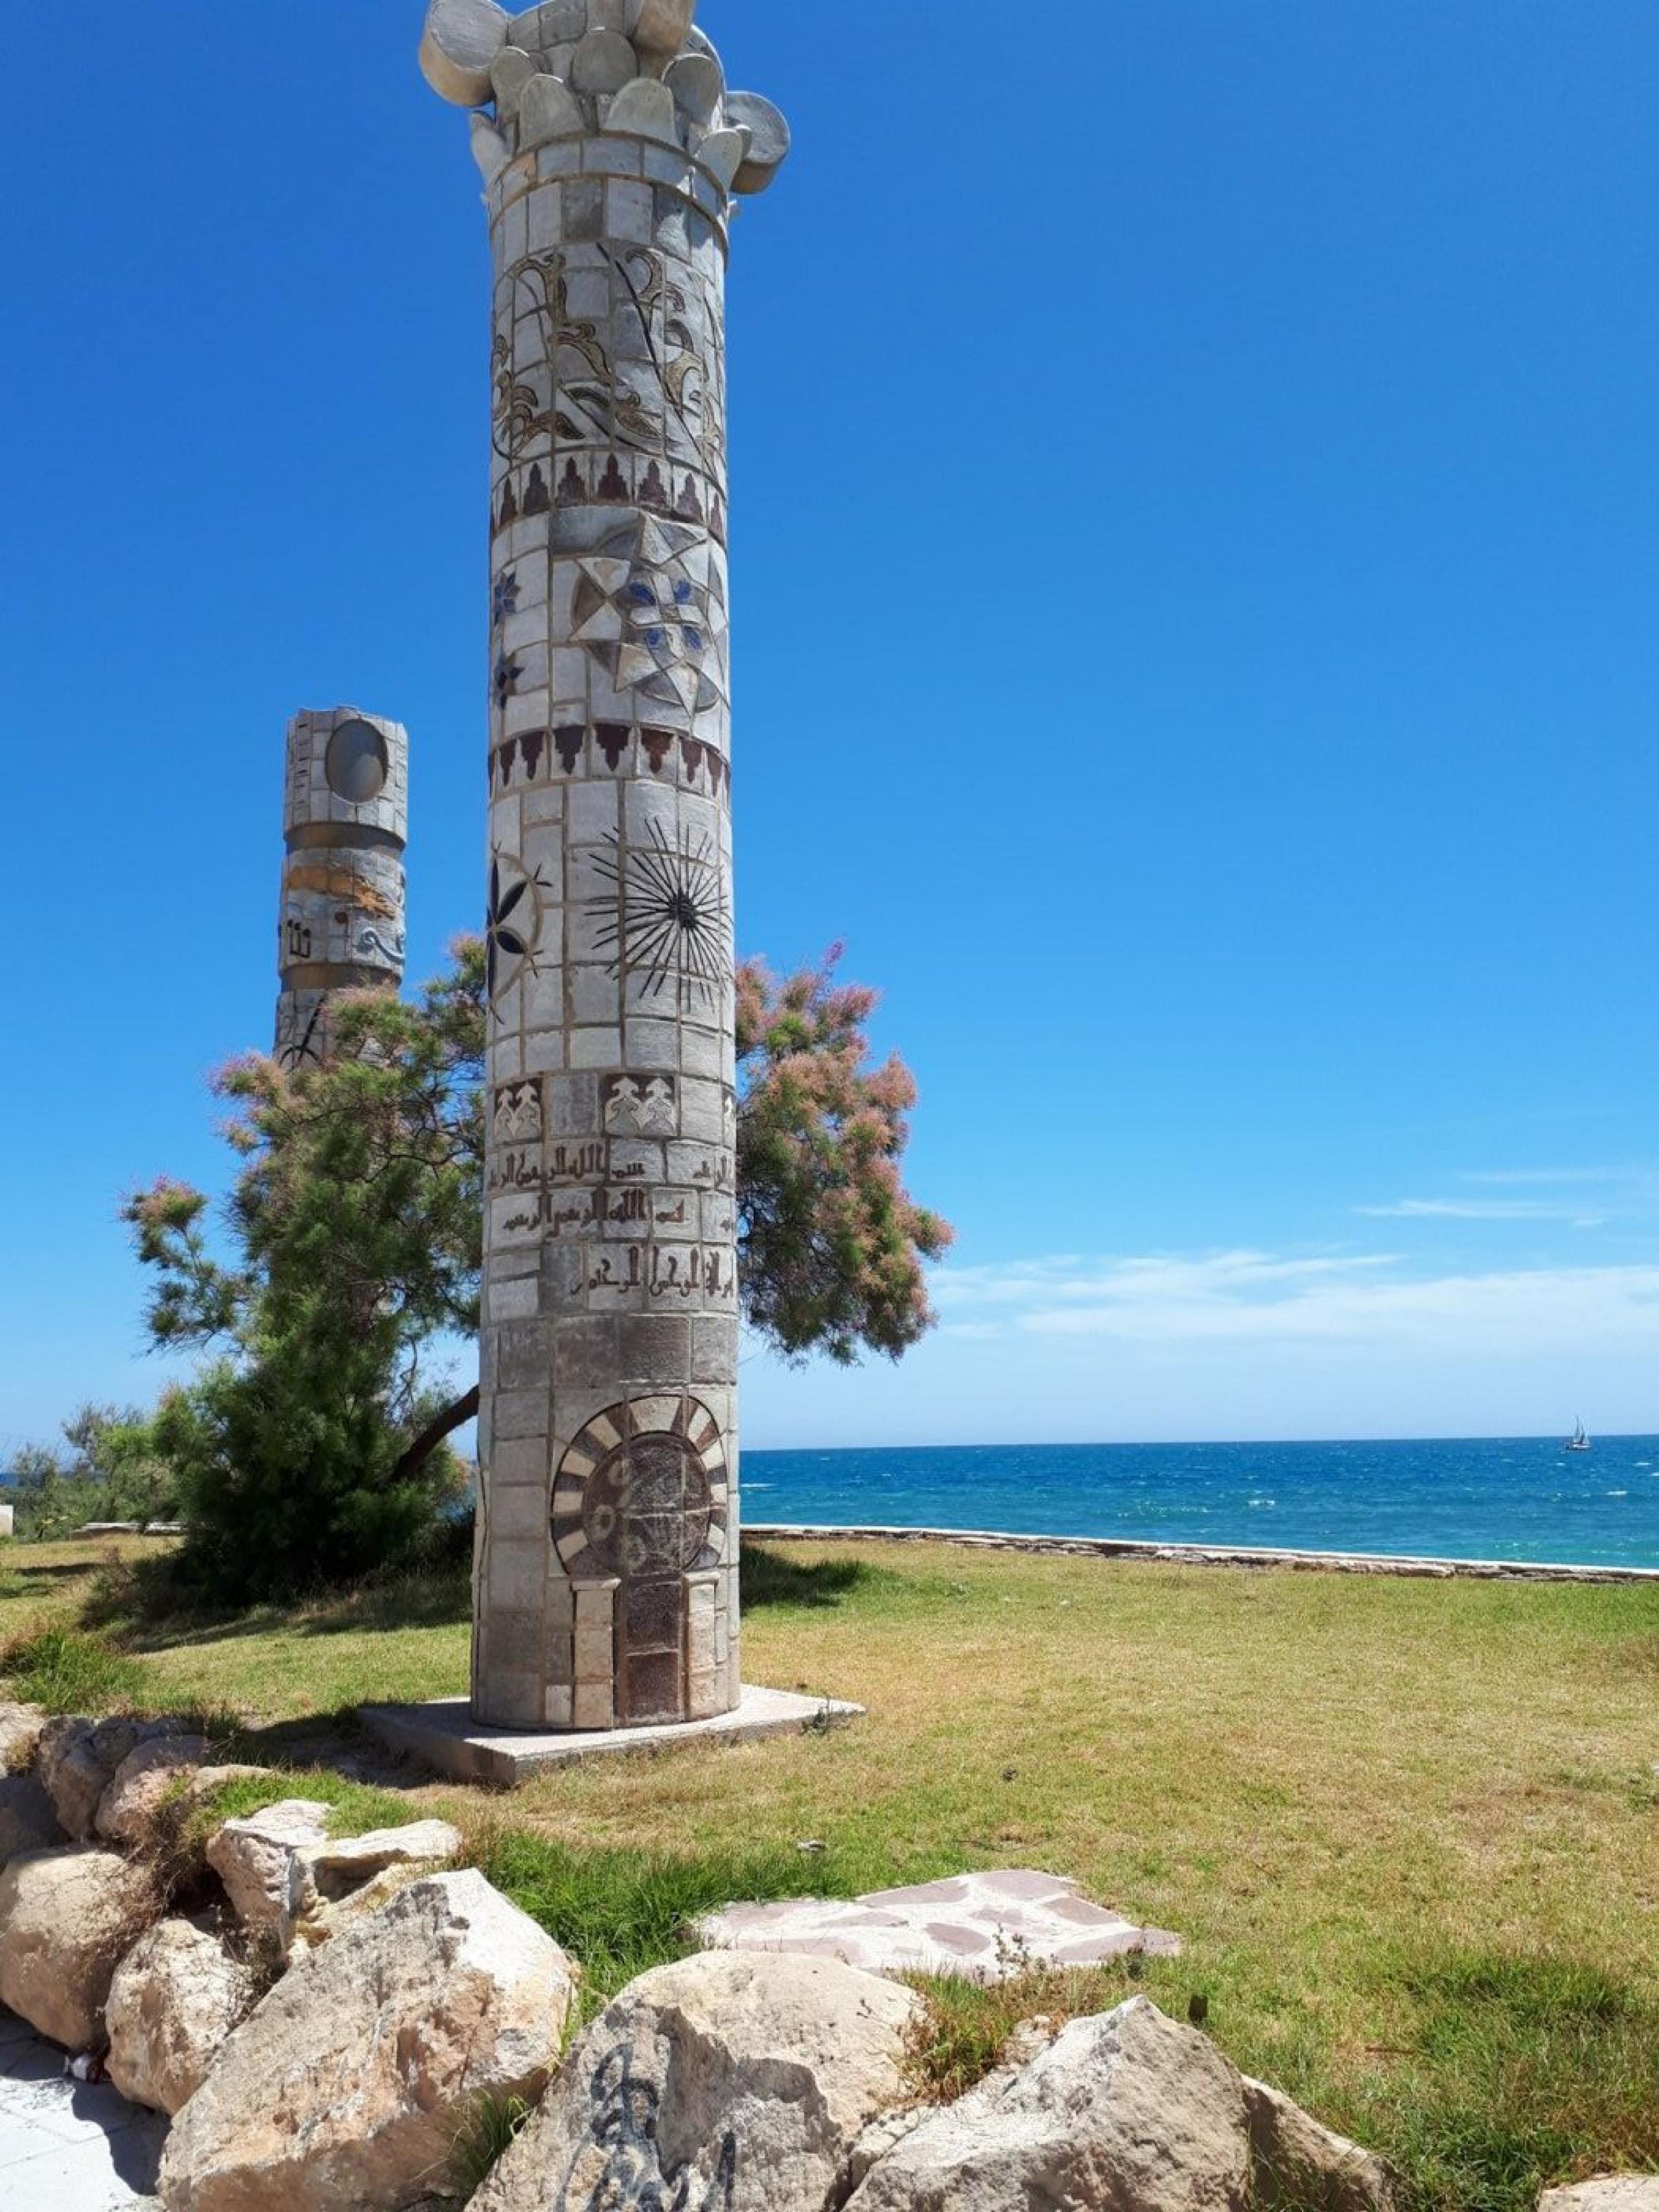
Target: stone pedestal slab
{"type": "Point", "coordinates": [444, 1735]}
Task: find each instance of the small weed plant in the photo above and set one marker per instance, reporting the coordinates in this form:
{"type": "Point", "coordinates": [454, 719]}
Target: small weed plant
{"type": "Point", "coordinates": [492, 2127]}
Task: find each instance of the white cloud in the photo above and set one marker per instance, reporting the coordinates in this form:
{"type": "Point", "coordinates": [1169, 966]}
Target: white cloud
{"type": "Point", "coordinates": [1482, 1209]}
{"type": "Point", "coordinates": [1264, 1298]}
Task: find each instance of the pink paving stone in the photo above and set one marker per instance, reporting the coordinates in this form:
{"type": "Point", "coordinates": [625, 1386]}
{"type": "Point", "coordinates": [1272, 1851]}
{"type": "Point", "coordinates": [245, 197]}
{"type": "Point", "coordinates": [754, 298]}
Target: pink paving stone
{"type": "Point", "coordinates": [1018, 1883]}
{"type": "Point", "coordinates": [968, 1940]}
{"type": "Point", "coordinates": [1028, 1928]}
{"type": "Point", "coordinates": [951, 1891]}
{"type": "Point", "coordinates": [1079, 1910]}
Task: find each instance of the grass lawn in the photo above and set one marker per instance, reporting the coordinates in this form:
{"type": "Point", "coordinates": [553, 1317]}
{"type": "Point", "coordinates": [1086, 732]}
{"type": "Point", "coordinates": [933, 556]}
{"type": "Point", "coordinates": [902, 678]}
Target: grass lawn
{"type": "Point", "coordinates": [1410, 1830]}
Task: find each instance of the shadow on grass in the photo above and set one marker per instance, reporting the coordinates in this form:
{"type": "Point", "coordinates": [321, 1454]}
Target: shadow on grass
{"type": "Point", "coordinates": [18, 1576]}
{"type": "Point", "coordinates": [774, 1579]}
{"type": "Point", "coordinates": [325, 1742]}
{"type": "Point", "coordinates": [144, 1608]}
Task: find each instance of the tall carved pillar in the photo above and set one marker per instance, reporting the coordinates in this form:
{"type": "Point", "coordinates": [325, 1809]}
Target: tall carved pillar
{"type": "Point", "coordinates": [606, 1569]}
{"type": "Point", "coordinates": [345, 820]}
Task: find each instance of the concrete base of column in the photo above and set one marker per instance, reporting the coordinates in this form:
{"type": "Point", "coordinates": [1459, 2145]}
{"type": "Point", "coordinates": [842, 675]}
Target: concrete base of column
{"type": "Point", "coordinates": [444, 1735]}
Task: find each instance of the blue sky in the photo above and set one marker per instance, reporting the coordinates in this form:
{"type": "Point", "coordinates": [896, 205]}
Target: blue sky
{"type": "Point", "coordinates": [1195, 480]}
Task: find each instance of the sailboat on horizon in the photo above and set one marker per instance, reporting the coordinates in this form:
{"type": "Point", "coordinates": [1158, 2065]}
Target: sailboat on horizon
{"type": "Point", "coordinates": [1578, 1441]}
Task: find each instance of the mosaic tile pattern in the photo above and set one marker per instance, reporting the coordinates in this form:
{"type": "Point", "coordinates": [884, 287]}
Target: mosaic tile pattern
{"type": "Point", "coordinates": [987, 1927]}
{"type": "Point", "coordinates": [345, 825]}
{"type": "Point", "coordinates": [606, 1569]}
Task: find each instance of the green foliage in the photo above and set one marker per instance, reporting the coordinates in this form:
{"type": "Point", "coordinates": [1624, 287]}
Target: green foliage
{"type": "Point", "coordinates": [289, 1472]}
{"type": "Point", "coordinates": [833, 1246]}
{"type": "Point", "coordinates": [621, 1913]}
{"type": "Point", "coordinates": [306, 1452]}
{"type": "Point", "coordinates": [114, 1469]}
{"type": "Point", "coordinates": [957, 2039]}
{"type": "Point", "coordinates": [70, 1674]}
{"type": "Point", "coordinates": [309, 1451]}
{"type": "Point", "coordinates": [491, 2128]}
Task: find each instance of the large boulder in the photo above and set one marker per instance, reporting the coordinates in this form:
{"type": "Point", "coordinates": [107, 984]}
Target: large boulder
{"type": "Point", "coordinates": [348, 2083]}
{"type": "Point", "coordinates": [21, 1730]}
{"type": "Point", "coordinates": [176, 1996]}
{"type": "Point", "coordinates": [1296, 2161]}
{"type": "Point", "coordinates": [78, 1761]}
{"type": "Point", "coordinates": [149, 1774]}
{"type": "Point", "coordinates": [1127, 2112]}
{"type": "Point", "coordinates": [325, 1881]}
{"type": "Point", "coordinates": [286, 1876]}
{"type": "Point", "coordinates": [740, 2081]}
{"type": "Point", "coordinates": [67, 1917]}
{"type": "Point", "coordinates": [27, 1820]}
{"type": "Point", "coordinates": [254, 1858]}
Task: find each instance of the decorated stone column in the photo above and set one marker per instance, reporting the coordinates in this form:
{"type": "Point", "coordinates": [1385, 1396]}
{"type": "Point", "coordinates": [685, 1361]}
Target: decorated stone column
{"type": "Point", "coordinates": [606, 1569]}
{"type": "Point", "coordinates": [346, 825]}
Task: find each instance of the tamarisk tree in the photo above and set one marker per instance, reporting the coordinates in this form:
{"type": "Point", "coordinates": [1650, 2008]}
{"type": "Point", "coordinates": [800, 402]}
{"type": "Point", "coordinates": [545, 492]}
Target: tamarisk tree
{"type": "Point", "coordinates": [313, 1445]}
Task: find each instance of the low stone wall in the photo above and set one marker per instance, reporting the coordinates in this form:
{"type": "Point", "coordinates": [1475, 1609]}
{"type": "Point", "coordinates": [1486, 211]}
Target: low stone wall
{"type": "Point", "coordinates": [1207, 1555]}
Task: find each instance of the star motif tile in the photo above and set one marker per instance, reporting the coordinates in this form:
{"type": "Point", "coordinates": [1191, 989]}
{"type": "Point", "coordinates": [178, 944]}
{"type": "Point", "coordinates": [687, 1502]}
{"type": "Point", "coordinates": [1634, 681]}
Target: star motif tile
{"type": "Point", "coordinates": [650, 607]}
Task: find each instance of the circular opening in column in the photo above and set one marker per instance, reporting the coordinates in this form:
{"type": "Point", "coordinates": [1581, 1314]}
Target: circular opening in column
{"type": "Point", "coordinates": [358, 764]}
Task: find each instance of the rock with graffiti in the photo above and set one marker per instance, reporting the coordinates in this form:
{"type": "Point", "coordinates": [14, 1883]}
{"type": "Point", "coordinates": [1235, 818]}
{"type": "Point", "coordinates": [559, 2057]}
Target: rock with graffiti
{"type": "Point", "coordinates": [722, 2084]}
{"type": "Point", "coordinates": [623, 2135]}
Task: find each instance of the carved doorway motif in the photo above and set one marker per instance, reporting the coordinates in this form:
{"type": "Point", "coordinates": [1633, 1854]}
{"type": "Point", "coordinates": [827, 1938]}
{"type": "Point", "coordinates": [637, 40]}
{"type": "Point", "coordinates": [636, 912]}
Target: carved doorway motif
{"type": "Point", "coordinates": [642, 1500]}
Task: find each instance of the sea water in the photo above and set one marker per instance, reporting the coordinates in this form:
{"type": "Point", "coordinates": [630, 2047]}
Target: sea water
{"type": "Point", "coordinates": [1498, 1498]}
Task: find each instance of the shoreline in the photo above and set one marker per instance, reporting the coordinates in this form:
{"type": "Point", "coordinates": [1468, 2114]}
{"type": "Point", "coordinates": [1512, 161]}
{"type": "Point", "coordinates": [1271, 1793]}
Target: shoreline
{"type": "Point", "coordinates": [1212, 1555]}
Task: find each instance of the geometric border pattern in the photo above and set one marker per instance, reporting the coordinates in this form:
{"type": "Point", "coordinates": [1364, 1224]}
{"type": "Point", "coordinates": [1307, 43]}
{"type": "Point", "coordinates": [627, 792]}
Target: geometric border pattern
{"type": "Point", "coordinates": [678, 1416]}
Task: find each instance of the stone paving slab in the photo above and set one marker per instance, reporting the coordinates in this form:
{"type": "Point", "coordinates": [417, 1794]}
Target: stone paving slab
{"type": "Point", "coordinates": [69, 2146]}
{"type": "Point", "coordinates": [987, 1927]}
{"type": "Point", "coordinates": [442, 1735]}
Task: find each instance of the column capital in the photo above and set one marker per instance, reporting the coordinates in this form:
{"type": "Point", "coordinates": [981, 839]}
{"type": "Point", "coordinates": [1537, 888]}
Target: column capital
{"type": "Point", "coordinates": [572, 68]}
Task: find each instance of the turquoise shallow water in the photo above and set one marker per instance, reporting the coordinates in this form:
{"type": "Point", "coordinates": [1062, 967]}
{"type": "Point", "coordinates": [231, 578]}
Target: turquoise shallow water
{"type": "Point", "coordinates": [1493, 1498]}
